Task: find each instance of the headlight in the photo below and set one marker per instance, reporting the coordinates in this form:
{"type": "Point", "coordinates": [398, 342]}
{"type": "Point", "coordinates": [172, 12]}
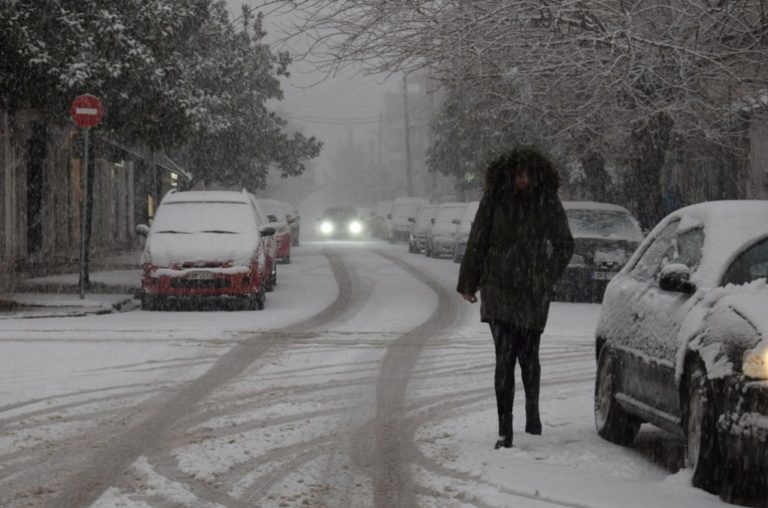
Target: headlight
{"type": "Point", "coordinates": [355, 227]}
{"type": "Point", "coordinates": [326, 227]}
{"type": "Point", "coordinates": [756, 363]}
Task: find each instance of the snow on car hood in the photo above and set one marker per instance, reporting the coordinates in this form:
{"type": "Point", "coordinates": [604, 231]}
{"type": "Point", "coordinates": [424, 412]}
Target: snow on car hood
{"type": "Point", "coordinates": [735, 312]}
{"type": "Point", "coordinates": [166, 249]}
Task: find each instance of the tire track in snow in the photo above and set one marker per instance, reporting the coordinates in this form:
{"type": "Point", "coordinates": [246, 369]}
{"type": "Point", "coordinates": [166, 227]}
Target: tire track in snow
{"type": "Point", "coordinates": [392, 447]}
{"type": "Point", "coordinates": [86, 486]}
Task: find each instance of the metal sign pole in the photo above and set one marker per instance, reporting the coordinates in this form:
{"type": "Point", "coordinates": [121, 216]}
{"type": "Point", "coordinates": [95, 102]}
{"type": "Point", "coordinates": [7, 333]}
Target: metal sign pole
{"type": "Point", "coordinates": [84, 209]}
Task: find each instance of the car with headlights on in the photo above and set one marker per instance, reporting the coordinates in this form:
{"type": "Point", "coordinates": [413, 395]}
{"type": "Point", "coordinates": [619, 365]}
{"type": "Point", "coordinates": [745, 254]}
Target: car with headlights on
{"type": "Point", "coordinates": [605, 236]}
{"type": "Point", "coordinates": [340, 222]}
{"type": "Point", "coordinates": [419, 226]}
{"type": "Point", "coordinates": [441, 235]}
{"type": "Point", "coordinates": [462, 232]}
{"type": "Point", "coordinates": [204, 245]}
{"type": "Point", "coordinates": [682, 343]}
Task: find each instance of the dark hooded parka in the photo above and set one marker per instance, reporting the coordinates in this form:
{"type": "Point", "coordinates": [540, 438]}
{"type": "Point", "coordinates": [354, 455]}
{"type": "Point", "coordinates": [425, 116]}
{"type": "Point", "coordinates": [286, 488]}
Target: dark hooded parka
{"type": "Point", "coordinates": [519, 243]}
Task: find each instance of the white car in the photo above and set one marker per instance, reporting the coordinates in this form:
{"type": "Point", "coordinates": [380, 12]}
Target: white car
{"type": "Point", "coordinates": [441, 236]}
{"type": "Point", "coordinates": [462, 233]}
{"type": "Point", "coordinates": [420, 224]}
{"type": "Point", "coordinates": [682, 343]}
{"type": "Point", "coordinates": [399, 219]}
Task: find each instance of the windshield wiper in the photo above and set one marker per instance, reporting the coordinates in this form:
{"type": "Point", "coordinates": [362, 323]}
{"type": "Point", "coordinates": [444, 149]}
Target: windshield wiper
{"type": "Point", "coordinates": [219, 231]}
{"type": "Point", "coordinates": [174, 232]}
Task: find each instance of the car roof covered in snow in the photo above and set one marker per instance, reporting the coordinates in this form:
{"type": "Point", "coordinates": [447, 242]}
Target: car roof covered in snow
{"type": "Point", "coordinates": [206, 196]}
{"type": "Point", "coordinates": [729, 228]}
{"type": "Point", "coordinates": [592, 205]}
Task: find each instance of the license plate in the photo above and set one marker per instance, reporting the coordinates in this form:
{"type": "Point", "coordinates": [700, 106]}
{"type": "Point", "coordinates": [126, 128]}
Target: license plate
{"type": "Point", "coordinates": [200, 275]}
{"type": "Point", "coordinates": [603, 275]}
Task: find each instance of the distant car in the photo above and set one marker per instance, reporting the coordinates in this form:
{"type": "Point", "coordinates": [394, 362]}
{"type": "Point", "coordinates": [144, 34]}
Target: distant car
{"type": "Point", "coordinates": [293, 218]}
{"type": "Point", "coordinates": [605, 237]}
{"type": "Point", "coordinates": [682, 343]}
{"type": "Point", "coordinates": [203, 245]}
{"type": "Point", "coordinates": [340, 222]}
{"type": "Point", "coordinates": [270, 243]}
{"type": "Point", "coordinates": [398, 220]}
{"type": "Point", "coordinates": [441, 236]}
{"type": "Point", "coordinates": [277, 218]}
{"type": "Point", "coordinates": [462, 233]}
{"type": "Point", "coordinates": [419, 226]}
{"type": "Point", "coordinates": [377, 223]}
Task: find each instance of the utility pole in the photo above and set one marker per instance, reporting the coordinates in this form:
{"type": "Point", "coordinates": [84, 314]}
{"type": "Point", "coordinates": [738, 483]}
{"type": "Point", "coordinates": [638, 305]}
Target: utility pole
{"type": "Point", "coordinates": [381, 129]}
{"type": "Point", "coordinates": [408, 165]}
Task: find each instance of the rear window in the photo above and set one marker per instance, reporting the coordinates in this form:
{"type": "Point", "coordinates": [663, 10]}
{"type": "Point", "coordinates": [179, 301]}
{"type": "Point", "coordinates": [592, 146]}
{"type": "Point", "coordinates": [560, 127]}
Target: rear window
{"type": "Point", "coordinates": [603, 223]}
{"type": "Point", "coordinates": [204, 216]}
{"type": "Point", "coordinates": [450, 214]}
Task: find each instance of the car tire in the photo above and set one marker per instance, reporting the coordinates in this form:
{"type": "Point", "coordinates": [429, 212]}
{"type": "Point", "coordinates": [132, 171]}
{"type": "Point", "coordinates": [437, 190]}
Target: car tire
{"type": "Point", "coordinates": [256, 302]}
{"type": "Point", "coordinates": [611, 421]}
{"type": "Point", "coordinates": [149, 303]}
{"type": "Point", "coordinates": [410, 248]}
{"type": "Point", "coordinates": [287, 260]}
{"type": "Point", "coordinates": [702, 453]}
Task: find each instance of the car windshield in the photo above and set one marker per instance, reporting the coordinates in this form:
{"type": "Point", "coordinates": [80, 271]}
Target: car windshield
{"type": "Point", "coordinates": [603, 223]}
{"type": "Point", "coordinates": [749, 266]}
{"type": "Point", "coordinates": [340, 213]}
{"type": "Point", "coordinates": [449, 214]}
{"type": "Point", "coordinates": [204, 216]}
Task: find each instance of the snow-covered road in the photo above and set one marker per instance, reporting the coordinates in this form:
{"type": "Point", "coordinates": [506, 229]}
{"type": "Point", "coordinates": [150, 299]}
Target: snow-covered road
{"type": "Point", "coordinates": [366, 381]}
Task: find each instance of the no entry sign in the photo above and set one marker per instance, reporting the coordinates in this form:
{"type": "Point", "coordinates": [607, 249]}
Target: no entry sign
{"type": "Point", "coordinates": [86, 111]}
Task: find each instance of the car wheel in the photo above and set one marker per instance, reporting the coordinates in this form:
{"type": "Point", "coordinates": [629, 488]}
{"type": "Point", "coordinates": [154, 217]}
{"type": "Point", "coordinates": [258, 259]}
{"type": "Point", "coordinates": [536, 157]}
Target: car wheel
{"type": "Point", "coordinates": [148, 303]}
{"type": "Point", "coordinates": [611, 421]}
{"type": "Point", "coordinates": [287, 259]}
{"type": "Point", "coordinates": [700, 425]}
{"type": "Point", "coordinates": [410, 247]}
{"type": "Point", "coordinates": [269, 285]}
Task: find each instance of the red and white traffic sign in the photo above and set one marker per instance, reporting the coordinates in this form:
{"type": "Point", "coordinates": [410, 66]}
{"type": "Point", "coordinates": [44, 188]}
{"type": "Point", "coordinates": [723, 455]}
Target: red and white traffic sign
{"type": "Point", "coordinates": [86, 111]}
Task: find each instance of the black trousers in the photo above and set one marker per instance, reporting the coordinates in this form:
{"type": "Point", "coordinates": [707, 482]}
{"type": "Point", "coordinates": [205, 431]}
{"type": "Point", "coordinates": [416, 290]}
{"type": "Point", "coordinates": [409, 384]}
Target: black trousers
{"type": "Point", "coordinates": [515, 345]}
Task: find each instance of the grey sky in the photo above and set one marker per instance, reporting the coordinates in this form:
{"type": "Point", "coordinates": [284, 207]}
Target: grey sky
{"type": "Point", "coordinates": [327, 106]}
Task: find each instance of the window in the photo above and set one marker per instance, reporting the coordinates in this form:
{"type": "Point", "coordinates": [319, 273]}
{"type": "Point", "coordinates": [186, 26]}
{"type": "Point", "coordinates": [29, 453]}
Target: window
{"type": "Point", "coordinates": [689, 245]}
{"type": "Point", "coordinates": [750, 265]}
{"type": "Point", "coordinates": [660, 252]}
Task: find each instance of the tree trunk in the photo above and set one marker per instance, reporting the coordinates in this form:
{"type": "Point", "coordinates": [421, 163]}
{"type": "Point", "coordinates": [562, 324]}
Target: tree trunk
{"type": "Point", "coordinates": [649, 142]}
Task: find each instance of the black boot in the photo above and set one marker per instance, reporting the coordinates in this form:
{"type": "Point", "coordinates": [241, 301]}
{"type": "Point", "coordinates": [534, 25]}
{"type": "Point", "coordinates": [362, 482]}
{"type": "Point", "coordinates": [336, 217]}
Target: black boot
{"type": "Point", "coordinates": [532, 419]}
{"type": "Point", "coordinates": [505, 432]}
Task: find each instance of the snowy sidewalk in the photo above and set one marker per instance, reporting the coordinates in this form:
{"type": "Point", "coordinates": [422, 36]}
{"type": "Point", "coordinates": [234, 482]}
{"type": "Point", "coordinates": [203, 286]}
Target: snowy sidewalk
{"type": "Point", "coordinates": [58, 296]}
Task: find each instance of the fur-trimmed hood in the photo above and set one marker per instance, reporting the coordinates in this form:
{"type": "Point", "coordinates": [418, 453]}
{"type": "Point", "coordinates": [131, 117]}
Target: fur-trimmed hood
{"type": "Point", "coordinates": [500, 175]}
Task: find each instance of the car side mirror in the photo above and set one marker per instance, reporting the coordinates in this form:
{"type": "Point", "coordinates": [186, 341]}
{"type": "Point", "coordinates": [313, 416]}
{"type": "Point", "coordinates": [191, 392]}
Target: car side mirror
{"type": "Point", "coordinates": [142, 230]}
{"type": "Point", "coordinates": [456, 222]}
{"type": "Point", "coordinates": [676, 277]}
{"type": "Point", "coordinates": [267, 231]}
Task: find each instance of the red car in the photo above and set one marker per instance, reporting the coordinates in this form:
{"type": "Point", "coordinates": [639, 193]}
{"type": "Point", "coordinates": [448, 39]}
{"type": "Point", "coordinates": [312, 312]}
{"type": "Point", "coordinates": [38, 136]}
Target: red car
{"type": "Point", "coordinates": [205, 245]}
{"type": "Point", "coordinates": [277, 218]}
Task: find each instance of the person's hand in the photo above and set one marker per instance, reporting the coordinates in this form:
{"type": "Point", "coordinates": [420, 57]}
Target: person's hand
{"type": "Point", "coordinates": [470, 297]}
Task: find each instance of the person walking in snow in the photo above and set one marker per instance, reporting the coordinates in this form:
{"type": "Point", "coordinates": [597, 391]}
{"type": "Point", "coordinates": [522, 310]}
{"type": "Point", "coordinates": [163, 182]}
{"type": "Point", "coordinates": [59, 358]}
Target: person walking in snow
{"type": "Point", "coordinates": [518, 247]}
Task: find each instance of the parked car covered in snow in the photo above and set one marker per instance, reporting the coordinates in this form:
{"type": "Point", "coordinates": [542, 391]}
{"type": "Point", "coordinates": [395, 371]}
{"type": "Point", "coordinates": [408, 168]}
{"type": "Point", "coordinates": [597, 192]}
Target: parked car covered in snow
{"type": "Point", "coordinates": [269, 243]}
{"type": "Point", "coordinates": [462, 232]}
{"type": "Point", "coordinates": [682, 343]}
{"type": "Point", "coordinates": [398, 223]}
{"type": "Point", "coordinates": [417, 240]}
{"type": "Point", "coordinates": [605, 236]}
{"type": "Point", "coordinates": [340, 222]}
{"type": "Point", "coordinates": [441, 236]}
{"type": "Point", "coordinates": [277, 219]}
{"type": "Point", "coordinates": [293, 218]}
{"type": "Point", "coordinates": [204, 244]}
{"type": "Point", "coordinates": [378, 220]}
